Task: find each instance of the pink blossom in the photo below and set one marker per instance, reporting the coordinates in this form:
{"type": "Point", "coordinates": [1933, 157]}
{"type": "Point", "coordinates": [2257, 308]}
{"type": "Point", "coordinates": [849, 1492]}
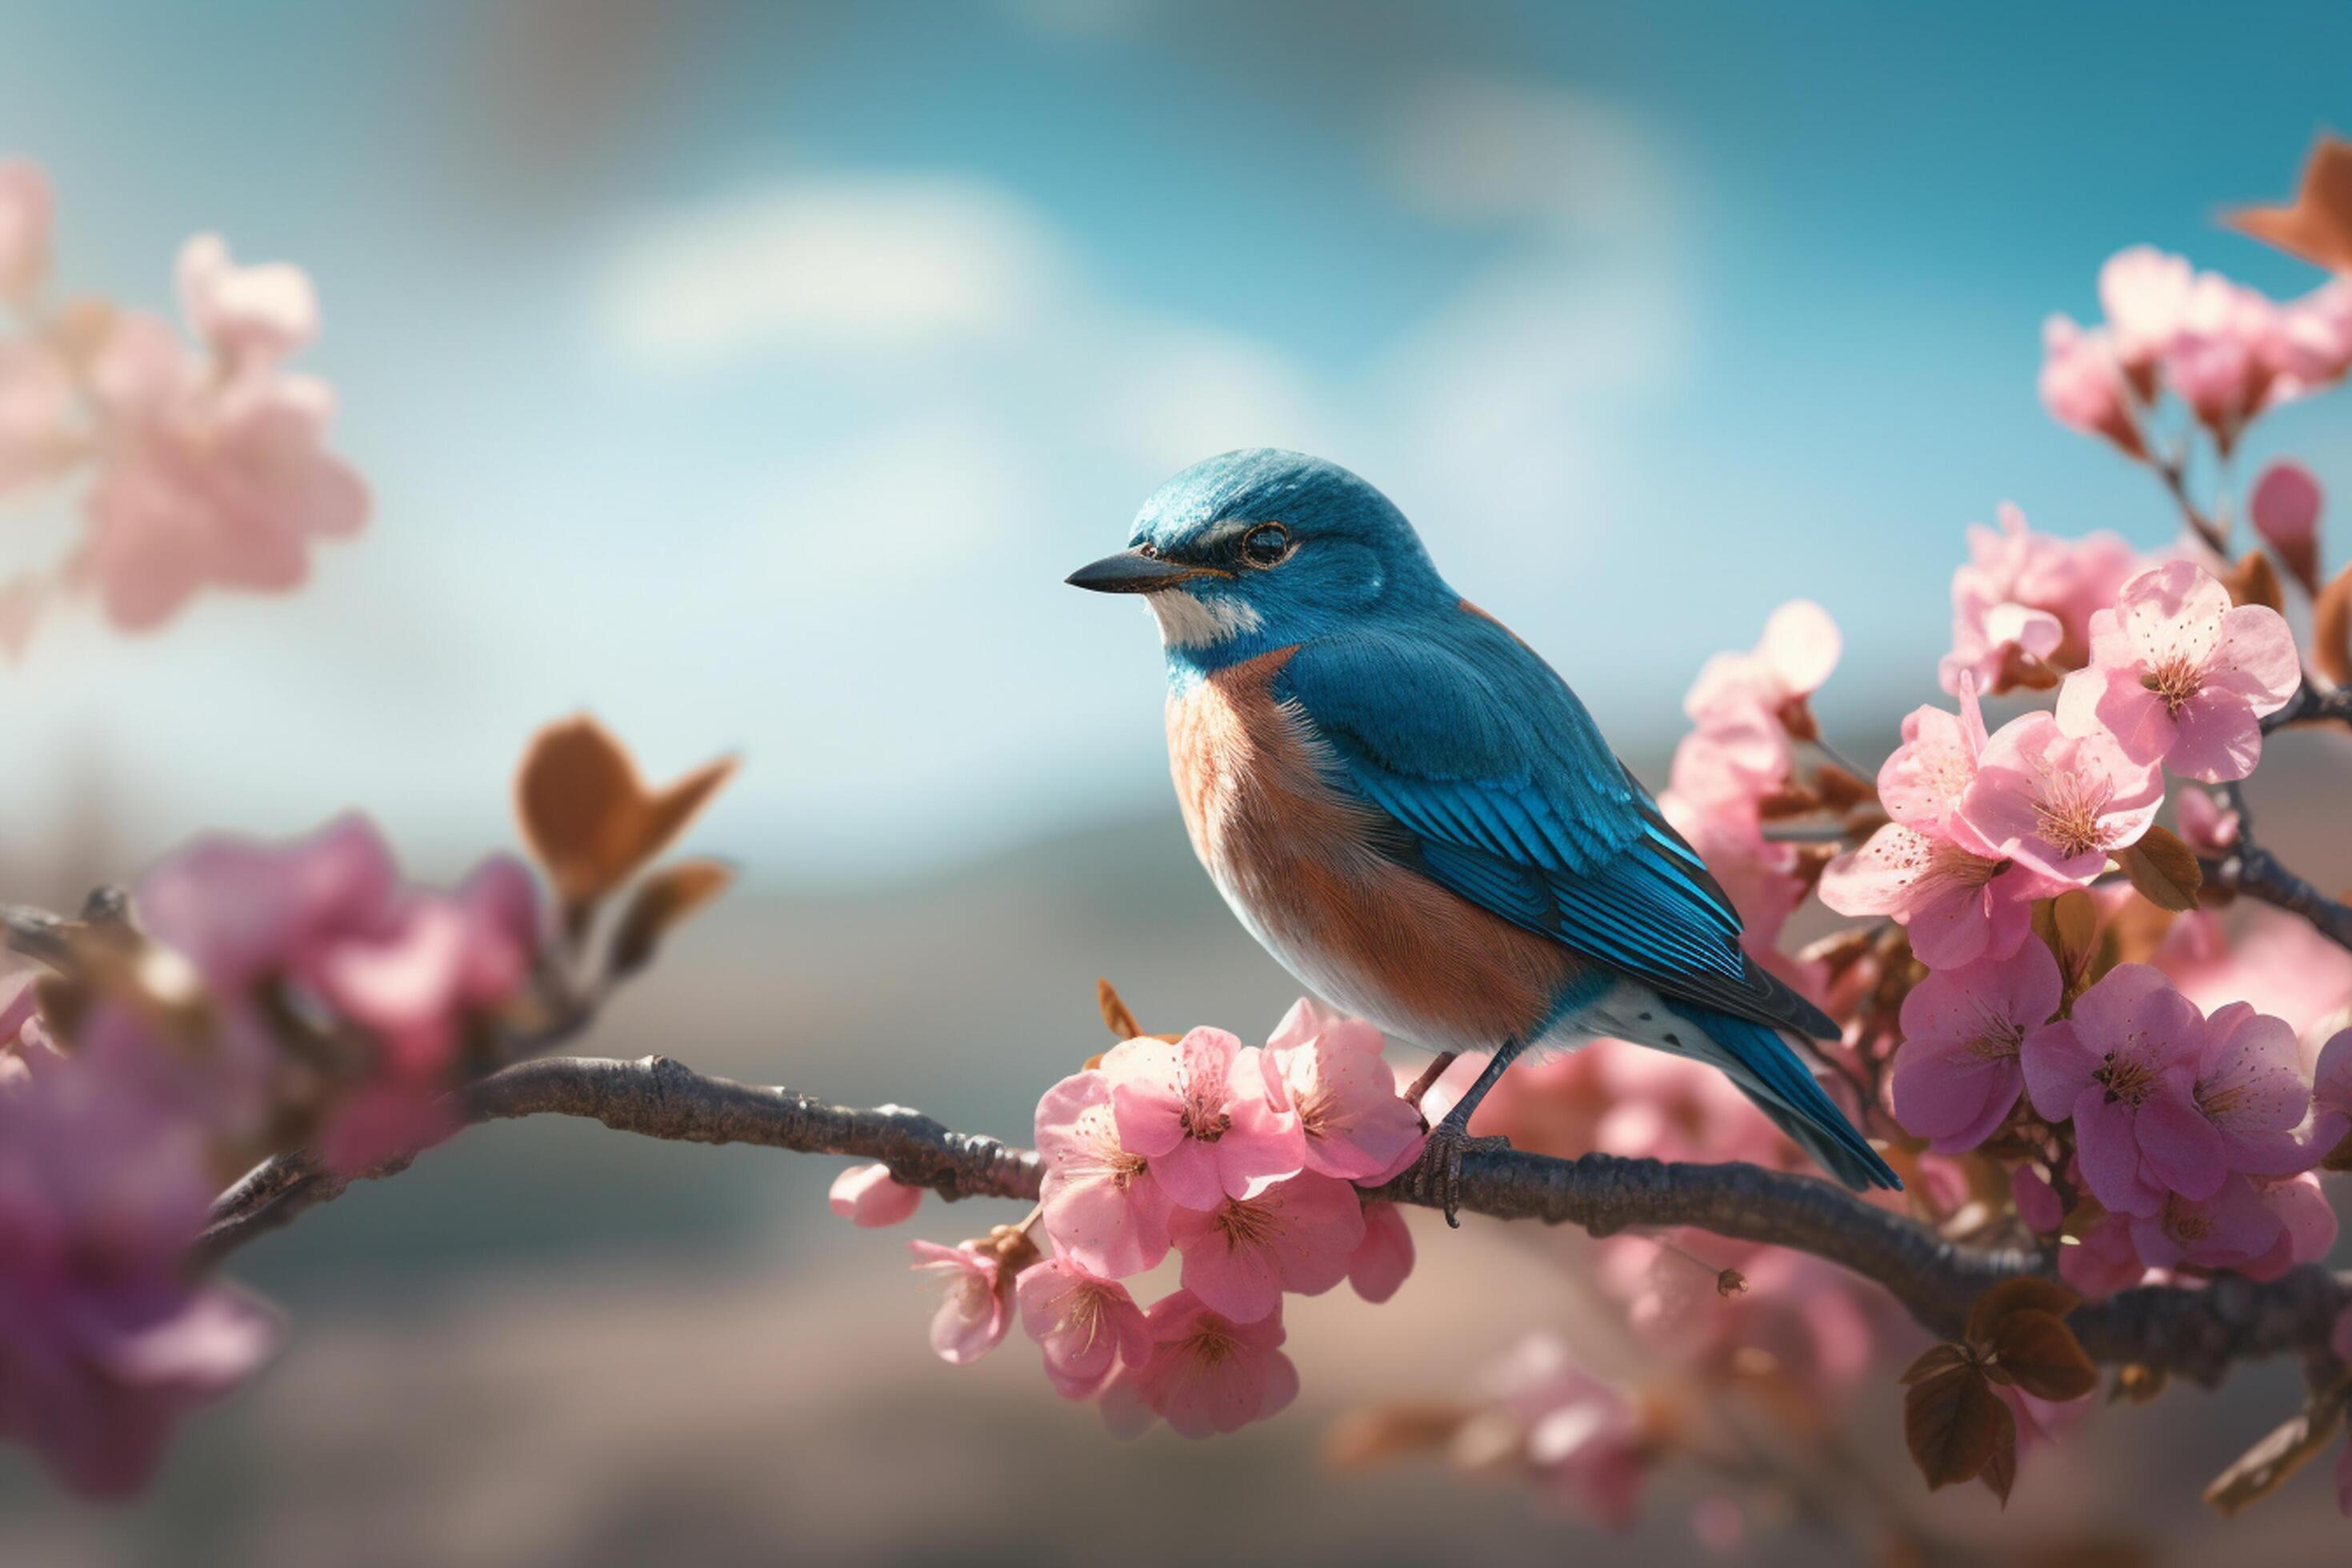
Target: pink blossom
{"type": "Point", "coordinates": [40, 432]}
{"type": "Point", "coordinates": [2103, 1259]}
{"type": "Point", "coordinates": [2306, 1224]}
{"type": "Point", "coordinates": [26, 206]}
{"type": "Point", "coordinates": [2206, 827]}
{"type": "Point", "coordinates": [2249, 1087]}
{"type": "Point", "coordinates": [868, 1196]}
{"type": "Point", "coordinates": [1957, 1075]}
{"type": "Point", "coordinates": [2277, 962]}
{"type": "Point", "coordinates": [2284, 508]}
{"type": "Point", "coordinates": [2331, 1078]}
{"type": "Point", "coordinates": [978, 1310]}
{"type": "Point", "coordinates": [1327, 1070]}
{"type": "Point", "coordinates": [1104, 1206]}
{"type": "Point", "coordinates": [1086, 1325]}
{"type": "Point", "coordinates": [2223, 355]}
{"type": "Point", "coordinates": [1959, 898]}
{"type": "Point", "coordinates": [2024, 600]}
{"type": "Point", "coordinates": [2179, 675]}
{"type": "Point", "coordinates": [1207, 1373]}
{"type": "Point", "coordinates": [2313, 345]}
{"type": "Point", "coordinates": [2123, 1067]}
{"type": "Point", "coordinates": [1198, 1110]}
{"type": "Point", "coordinates": [1922, 783]}
{"type": "Point", "coordinates": [206, 482]}
{"type": "Point", "coordinates": [1299, 1234]}
{"type": "Point", "coordinates": [1376, 1270]}
{"type": "Point", "coordinates": [104, 1342]}
{"type": "Point", "coordinates": [1582, 1436]}
{"type": "Point", "coordinates": [327, 917]}
{"type": "Point", "coordinates": [2059, 804]}
{"type": "Point", "coordinates": [2144, 292]}
{"type": "Point", "coordinates": [1799, 649]}
{"type": "Point", "coordinates": [2226, 1228]}
{"type": "Point", "coordinates": [2037, 1200]}
{"type": "Point", "coordinates": [244, 314]}
{"type": "Point", "coordinates": [2082, 383]}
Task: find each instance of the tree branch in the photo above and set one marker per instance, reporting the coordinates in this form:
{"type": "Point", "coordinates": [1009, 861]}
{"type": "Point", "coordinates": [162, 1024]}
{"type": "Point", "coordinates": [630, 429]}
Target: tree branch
{"type": "Point", "coordinates": [2310, 705]}
{"type": "Point", "coordinates": [2253, 872]}
{"type": "Point", "coordinates": [2195, 1332]}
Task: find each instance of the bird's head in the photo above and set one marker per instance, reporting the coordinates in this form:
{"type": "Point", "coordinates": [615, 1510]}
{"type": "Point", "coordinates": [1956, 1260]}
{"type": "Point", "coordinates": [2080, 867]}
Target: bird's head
{"type": "Point", "coordinates": [1260, 549]}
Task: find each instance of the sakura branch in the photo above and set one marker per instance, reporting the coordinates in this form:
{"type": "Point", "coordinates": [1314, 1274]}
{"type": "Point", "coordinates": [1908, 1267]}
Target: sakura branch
{"type": "Point", "coordinates": [2196, 1331]}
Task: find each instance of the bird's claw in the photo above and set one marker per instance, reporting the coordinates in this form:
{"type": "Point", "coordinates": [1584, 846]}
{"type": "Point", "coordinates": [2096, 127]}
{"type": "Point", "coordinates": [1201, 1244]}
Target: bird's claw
{"type": "Point", "coordinates": [1437, 1174]}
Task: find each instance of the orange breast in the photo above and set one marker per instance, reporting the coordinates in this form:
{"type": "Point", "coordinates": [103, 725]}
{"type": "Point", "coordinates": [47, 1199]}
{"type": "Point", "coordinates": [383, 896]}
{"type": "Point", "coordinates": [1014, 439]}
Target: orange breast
{"type": "Point", "coordinates": [1296, 860]}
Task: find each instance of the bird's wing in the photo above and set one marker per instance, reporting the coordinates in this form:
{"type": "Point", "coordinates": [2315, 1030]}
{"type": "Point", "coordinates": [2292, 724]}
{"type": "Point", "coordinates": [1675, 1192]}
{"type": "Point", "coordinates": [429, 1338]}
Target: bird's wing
{"type": "Point", "coordinates": [1504, 792]}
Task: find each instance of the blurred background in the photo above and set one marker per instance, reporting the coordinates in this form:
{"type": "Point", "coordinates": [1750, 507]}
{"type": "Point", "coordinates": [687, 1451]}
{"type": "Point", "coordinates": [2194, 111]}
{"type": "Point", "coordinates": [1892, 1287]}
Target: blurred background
{"type": "Point", "coordinates": [752, 374]}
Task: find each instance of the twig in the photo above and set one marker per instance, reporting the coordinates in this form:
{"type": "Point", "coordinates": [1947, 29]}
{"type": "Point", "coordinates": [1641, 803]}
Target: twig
{"type": "Point", "coordinates": [2196, 1331]}
{"type": "Point", "coordinates": [2253, 872]}
{"type": "Point", "coordinates": [2309, 705]}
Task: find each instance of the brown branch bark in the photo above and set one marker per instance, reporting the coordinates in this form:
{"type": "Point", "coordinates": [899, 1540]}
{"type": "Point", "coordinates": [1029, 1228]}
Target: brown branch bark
{"type": "Point", "coordinates": [2251, 871]}
{"type": "Point", "coordinates": [2309, 705]}
{"type": "Point", "coordinates": [2196, 1331]}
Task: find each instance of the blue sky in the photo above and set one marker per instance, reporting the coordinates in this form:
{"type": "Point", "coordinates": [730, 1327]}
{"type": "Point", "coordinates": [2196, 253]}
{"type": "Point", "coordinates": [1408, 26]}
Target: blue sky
{"type": "Point", "coordinates": [752, 374]}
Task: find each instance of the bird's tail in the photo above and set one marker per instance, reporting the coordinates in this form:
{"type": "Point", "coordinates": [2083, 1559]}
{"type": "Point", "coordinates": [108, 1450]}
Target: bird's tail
{"type": "Point", "coordinates": [1759, 1060]}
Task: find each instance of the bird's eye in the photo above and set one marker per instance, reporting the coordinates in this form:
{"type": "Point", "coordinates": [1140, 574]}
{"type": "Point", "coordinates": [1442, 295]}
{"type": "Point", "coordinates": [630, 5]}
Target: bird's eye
{"type": "Point", "coordinates": [1266, 544]}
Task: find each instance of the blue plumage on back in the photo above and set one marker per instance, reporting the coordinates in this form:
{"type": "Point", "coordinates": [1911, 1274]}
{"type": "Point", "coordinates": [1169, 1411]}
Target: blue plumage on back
{"type": "Point", "coordinates": [1286, 581]}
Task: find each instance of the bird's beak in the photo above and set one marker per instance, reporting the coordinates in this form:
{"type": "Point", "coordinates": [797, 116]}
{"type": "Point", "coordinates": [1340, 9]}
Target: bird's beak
{"type": "Point", "coordinates": [1132, 572]}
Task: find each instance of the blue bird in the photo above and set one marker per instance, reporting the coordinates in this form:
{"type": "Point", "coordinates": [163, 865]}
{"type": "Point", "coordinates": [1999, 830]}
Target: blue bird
{"type": "Point", "coordinates": [1418, 819]}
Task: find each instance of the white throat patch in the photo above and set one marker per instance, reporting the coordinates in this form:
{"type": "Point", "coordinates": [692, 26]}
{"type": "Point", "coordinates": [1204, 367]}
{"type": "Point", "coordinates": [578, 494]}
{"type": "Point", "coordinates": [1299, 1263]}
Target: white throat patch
{"type": "Point", "coordinates": [1186, 620]}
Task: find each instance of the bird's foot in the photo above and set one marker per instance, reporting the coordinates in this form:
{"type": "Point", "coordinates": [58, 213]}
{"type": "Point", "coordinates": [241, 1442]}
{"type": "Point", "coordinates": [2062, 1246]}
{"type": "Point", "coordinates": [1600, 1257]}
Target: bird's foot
{"type": "Point", "coordinates": [1436, 1177]}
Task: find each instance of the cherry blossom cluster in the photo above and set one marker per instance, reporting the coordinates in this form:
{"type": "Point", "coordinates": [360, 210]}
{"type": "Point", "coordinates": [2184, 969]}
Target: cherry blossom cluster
{"type": "Point", "coordinates": [201, 465]}
{"type": "Point", "coordinates": [2226, 352]}
{"type": "Point", "coordinates": [1244, 1163]}
{"type": "Point", "coordinates": [251, 1000]}
{"type": "Point", "coordinates": [270, 997]}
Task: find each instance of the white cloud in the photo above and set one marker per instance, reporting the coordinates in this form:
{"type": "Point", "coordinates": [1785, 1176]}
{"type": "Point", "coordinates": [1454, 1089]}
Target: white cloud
{"type": "Point", "coordinates": [864, 263]}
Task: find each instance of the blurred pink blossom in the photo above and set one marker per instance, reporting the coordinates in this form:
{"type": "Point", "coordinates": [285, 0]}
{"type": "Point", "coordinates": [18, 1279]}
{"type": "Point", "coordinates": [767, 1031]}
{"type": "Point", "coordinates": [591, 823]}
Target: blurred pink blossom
{"type": "Point", "coordinates": [328, 915]}
{"type": "Point", "coordinates": [26, 206]}
{"type": "Point", "coordinates": [1378, 1269]}
{"type": "Point", "coordinates": [2306, 1223]}
{"type": "Point", "coordinates": [1325, 1069]}
{"type": "Point", "coordinates": [2025, 597]}
{"type": "Point", "coordinates": [1086, 1326]}
{"type": "Point", "coordinates": [978, 1308]}
{"type": "Point", "coordinates": [2058, 804]}
{"type": "Point", "coordinates": [2103, 1259]}
{"type": "Point", "coordinates": [869, 1197]}
{"type": "Point", "coordinates": [1582, 1436]}
{"type": "Point", "coordinates": [2284, 508]}
{"type": "Point", "coordinates": [1957, 1076]}
{"type": "Point", "coordinates": [2122, 1067]}
{"type": "Point", "coordinates": [1206, 1374]}
{"type": "Point", "coordinates": [40, 431]}
{"type": "Point", "coordinates": [245, 315]}
{"type": "Point", "coordinates": [2208, 829]}
{"type": "Point", "coordinates": [2037, 1200]}
{"type": "Point", "coordinates": [2179, 675]}
{"type": "Point", "coordinates": [103, 1339]}
{"type": "Point", "coordinates": [1797, 651]}
{"type": "Point", "coordinates": [1198, 1110]}
{"type": "Point", "coordinates": [1104, 1206]}
{"type": "Point", "coordinates": [2144, 292]}
{"type": "Point", "coordinates": [2082, 383]}
{"type": "Point", "coordinates": [1298, 1235]}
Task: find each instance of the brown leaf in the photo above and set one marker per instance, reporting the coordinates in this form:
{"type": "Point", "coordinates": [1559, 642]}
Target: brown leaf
{"type": "Point", "coordinates": [2264, 1467]}
{"type": "Point", "coordinates": [662, 901]}
{"type": "Point", "coordinates": [1953, 1421]}
{"type": "Point", "coordinates": [2036, 1351]}
{"type": "Point", "coordinates": [2069, 927]}
{"type": "Point", "coordinates": [1840, 790]}
{"type": "Point", "coordinates": [2331, 629]}
{"type": "Point", "coordinates": [1115, 1014]}
{"type": "Point", "coordinates": [2000, 1472]}
{"type": "Point", "coordinates": [589, 818]}
{"type": "Point", "coordinates": [2254, 581]}
{"type": "Point", "coordinates": [1381, 1434]}
{"type": "Point", "coordinates": [2317, 224]}
{"type": "Point", "coordinates": [2162, 870]}
{"type": "Point", "coordinates": [2025, 1293]}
